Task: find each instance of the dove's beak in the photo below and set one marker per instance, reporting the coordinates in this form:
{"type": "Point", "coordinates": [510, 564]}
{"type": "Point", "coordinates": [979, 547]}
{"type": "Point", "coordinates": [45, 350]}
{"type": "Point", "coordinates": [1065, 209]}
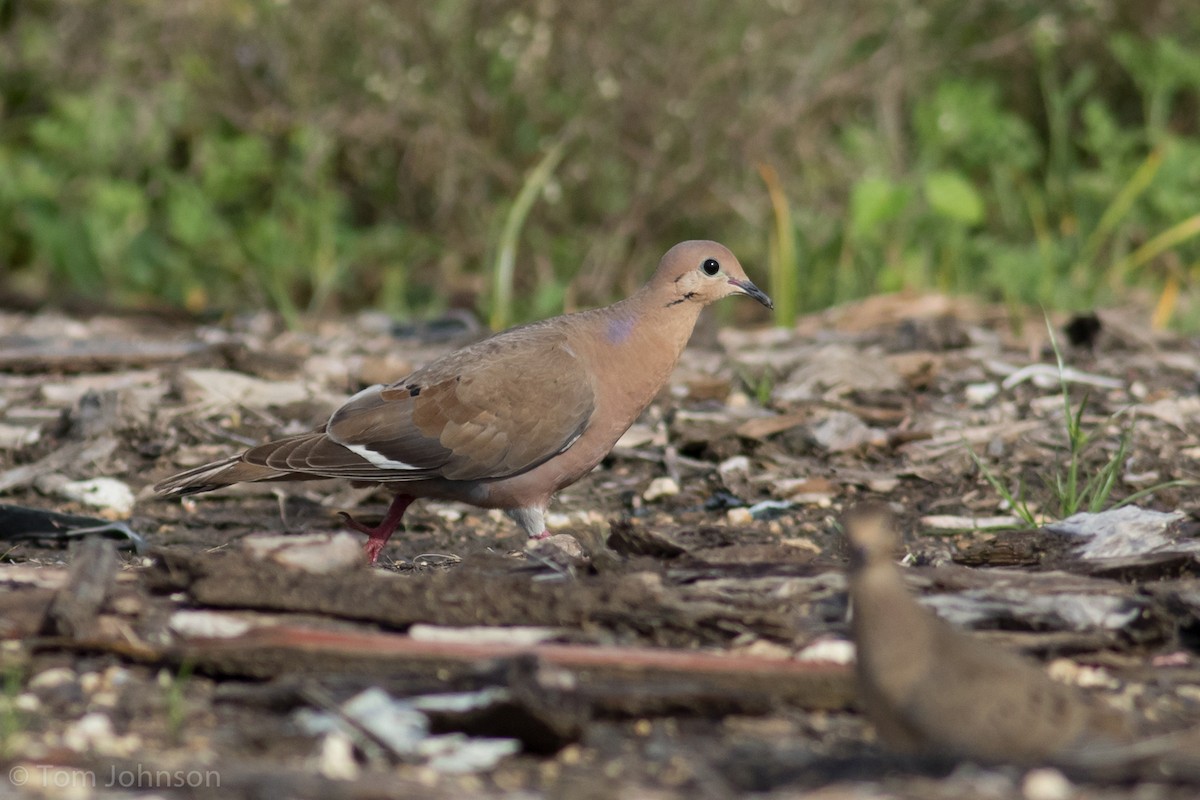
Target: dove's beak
{"type": "Point", "coordinates": [750, 290]}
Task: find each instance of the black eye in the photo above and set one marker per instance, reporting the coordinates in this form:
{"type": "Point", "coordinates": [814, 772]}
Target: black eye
{"type": "Point", "coordinates": [710, 267]}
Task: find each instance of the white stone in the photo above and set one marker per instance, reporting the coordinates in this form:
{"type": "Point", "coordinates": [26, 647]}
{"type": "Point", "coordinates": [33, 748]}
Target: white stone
{"type": "Point", "coordinates": [739, 516]}
{"type": "Point", "coordinates": [207, 624]}
{"type": "Point", "coordinates": [337, 757]}
{"type": "Point", "coordinates": [737, 465]}
{"type": "Point", "coordinates": [660, 487]}
{"type": "Point", "coordinates": [107, 493]}
{"type": "Point", "coordinates": [832, 651]}
{"type": "Point", "coordinates": [51, 678]}
{"type": "Point", "coordinates": [1046, 783]}
{"type": "Point", "coordinates": [88, 732]}
{"type": "Point", "coordinates": [977, 394]}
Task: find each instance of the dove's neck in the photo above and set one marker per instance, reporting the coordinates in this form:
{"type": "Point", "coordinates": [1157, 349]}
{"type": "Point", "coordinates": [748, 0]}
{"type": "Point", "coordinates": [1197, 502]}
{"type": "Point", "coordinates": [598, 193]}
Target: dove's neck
{"type": "Point", "coordinates": [645, 336]}
{"type": "Point", "coordinates": [893, 634]}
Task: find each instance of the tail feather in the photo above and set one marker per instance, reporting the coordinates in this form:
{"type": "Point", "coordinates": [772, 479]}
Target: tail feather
{"type": "Point", "coordinates": [226, 472]}
{"type": "Point", "coordinates": [306, 457]}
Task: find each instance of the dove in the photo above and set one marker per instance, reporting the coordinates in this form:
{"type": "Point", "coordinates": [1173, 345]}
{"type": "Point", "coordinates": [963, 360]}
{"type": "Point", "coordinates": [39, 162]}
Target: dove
{"type": "Point", "coordinates": [932, 690]}
{"type": "Point", "coordinates": [506, 422]}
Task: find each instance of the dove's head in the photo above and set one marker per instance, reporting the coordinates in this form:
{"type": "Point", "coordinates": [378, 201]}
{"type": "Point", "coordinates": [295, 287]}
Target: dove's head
{"type": "Point", "coordinates": [870, 531]}
{"type": "Point", "coordinates": [703, 272]}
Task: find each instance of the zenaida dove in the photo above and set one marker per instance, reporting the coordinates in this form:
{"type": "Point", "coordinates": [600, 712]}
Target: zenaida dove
{"type": "Point", "coordinates": [510, 420]}
{"type": "Point", "coordinates": [930, 689]}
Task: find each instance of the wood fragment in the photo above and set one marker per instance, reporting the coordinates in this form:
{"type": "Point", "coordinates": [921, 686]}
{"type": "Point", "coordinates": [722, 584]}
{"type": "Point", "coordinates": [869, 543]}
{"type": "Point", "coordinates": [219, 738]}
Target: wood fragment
{"type": "Point", "coordinates": [73, 611]}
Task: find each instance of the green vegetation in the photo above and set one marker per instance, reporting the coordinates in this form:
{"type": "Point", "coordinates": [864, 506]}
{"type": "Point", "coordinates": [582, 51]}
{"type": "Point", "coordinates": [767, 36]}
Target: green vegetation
{"type": "Point", "coordinates": [314, 157]}
{"type": "Point", "coordinates": [175, 698]}
{"type": "Point", "coordinates": [1069, 490]}
{"type": "Point", "coordinates": [12, 720]}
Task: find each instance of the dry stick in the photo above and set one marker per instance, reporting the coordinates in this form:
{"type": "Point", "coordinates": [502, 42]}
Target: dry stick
{"type": "Point", "coordinates": [73, 610]}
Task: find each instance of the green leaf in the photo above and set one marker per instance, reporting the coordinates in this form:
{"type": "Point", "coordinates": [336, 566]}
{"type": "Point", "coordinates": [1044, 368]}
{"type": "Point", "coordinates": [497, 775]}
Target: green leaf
{"type": "Point", "coordinates": [952, 196]}
{"type": "Point", "coordinates": [873, 203]}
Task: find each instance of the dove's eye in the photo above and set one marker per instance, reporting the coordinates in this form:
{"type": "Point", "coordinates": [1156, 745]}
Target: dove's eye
{"type": "Point", "coordinates": [710, 267]}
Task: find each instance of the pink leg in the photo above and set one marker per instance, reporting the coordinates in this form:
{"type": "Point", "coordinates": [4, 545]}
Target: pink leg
{"type": "Point", "coordinates": [377, 537]}
{"type": "Point", "coordinates": [542, 535]}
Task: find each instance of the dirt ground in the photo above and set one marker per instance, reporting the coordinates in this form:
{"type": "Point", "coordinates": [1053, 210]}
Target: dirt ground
{"type": "Point", "coordinates": [684, 633]}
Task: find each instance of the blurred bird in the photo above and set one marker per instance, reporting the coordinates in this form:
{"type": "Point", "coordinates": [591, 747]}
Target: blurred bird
{"type": "Point", "coordinates": [930, 689]}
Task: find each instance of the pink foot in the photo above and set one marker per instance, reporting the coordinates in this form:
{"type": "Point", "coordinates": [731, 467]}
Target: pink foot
{"type": "Point", "coordinates": [378, 536]}
{"type": "Point", "coordinates": [540, 536]}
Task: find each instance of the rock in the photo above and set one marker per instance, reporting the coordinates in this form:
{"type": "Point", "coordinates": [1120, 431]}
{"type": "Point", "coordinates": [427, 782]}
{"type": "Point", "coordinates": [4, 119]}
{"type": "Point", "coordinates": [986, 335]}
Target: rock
{"type": "Point", "coordinates": [109, 494]}
{"type": "Point", "coordinates": [842, 431]}
{"type": "Point", "coordinates": [659, 488]}
{"type": "Point", "coordinates": [562, 549]}
{"type": "Point", "coordinates": [1046, 783]}
{"type": "Point", "coordinates": [739, 516]}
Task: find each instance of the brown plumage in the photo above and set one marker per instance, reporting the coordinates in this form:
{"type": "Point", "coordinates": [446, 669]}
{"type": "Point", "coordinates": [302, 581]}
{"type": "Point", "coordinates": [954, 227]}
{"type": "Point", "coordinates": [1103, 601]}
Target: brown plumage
{"type": "Point", "coordinates": [934, 690]}
{"type": "Point", "coordinates": [506, 422]}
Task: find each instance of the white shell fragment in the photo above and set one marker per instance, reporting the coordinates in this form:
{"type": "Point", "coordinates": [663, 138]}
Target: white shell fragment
{"type": "Point", "coordinates": [106, 493]}
{"type": "Point", "coordinates": [404, 729]}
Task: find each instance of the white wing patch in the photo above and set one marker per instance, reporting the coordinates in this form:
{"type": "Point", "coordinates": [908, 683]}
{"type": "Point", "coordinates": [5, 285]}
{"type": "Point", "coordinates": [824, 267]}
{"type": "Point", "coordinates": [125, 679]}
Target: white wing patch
{"type": "Point", "coordinates": [378, 459]}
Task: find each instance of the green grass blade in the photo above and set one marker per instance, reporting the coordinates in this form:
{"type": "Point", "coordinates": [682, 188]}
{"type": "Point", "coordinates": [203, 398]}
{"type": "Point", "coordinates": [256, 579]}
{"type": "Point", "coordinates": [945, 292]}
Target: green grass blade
{"type": "Point", "coordinates": [1172, 236]}
{"type": "Point", "coordinates": [1133, 498]}
{"type": "Point", "coordinates": [506, 257]}
{"type": "Point", "coordinates": [1016, 503]}
{"type": "Point", "coordinates": [783, 265]}
{"type": "Point", "coordinates": [1142, 177]}
{"type": "Point", "coordinates": [1100, 488]}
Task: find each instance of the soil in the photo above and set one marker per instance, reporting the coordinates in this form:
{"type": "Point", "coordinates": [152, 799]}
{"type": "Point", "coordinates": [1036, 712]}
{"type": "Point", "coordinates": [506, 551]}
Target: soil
{"type": "Point", "coordinates": [684, 633]}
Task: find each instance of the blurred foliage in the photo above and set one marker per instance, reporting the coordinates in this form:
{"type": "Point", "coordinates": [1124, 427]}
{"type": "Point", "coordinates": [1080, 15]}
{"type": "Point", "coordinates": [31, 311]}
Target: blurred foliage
{"type": "Point", "coordinates": [316, 156]}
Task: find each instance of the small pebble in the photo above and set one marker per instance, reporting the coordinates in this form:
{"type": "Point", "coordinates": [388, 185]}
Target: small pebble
{"type": "Point", "coordinates": [449, 514]}
{"type": "Point", "coordinates": [561, 548]}
{"type": "Point", "coordinates": [739, 516]}
{"type": "Point", "coordinates": [833, 651]}
{"type": "Point", "coordinates": [1064, 670]}
{"type": "Point", "coordinates": [88, 731]}
{"type": "Point", "coordinates": [105, 493]}
{"type": "Point", "coordinates": [738, 400]}
{"type": "Point", "coordinates": [737, 465]}
{"type": "Point", "coordinates": [27, 702]}
{"type": "Point", "coordinates": [51, 678]}
{"type": "Point", "coordinates": [1046, 783]}
{"type": "Point", "coordinates": [89, 682]}
{"type": "Point", "coordinates": [978, 394]}
{"type": "Point", "coordinates": [337, 757]}
{"type": "Point", "coordinates": [660, 487]}
{"type": "Point", "coordinates": [105, 698]}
